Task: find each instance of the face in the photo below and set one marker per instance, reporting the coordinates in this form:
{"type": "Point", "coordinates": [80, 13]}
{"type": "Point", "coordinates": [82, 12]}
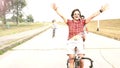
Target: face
{"type": "Point", "coordinates": [76, 15]}
{"type": "Point", "coordinates": [82, 17]}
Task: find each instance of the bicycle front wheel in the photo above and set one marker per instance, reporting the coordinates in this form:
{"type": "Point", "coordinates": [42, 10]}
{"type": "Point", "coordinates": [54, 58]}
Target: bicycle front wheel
{"type": "Point", "coordinates": [68, 64]}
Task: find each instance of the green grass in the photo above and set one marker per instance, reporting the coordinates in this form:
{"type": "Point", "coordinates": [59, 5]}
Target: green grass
{"type": "Point", "coordinates": [13, 28]}
{"type": "Point", "coordinates": [109, 28]}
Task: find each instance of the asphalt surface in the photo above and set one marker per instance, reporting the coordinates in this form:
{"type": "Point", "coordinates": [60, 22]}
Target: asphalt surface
{"type": "Point", "coordinates": [43, 51]}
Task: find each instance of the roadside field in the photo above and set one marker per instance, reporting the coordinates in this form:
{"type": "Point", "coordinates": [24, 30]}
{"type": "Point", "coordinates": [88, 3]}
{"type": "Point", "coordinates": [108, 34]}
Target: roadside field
{"type": "Point", "coordinates": [13, 28]}
{"type": "Point", "coordinates": [109, 28]}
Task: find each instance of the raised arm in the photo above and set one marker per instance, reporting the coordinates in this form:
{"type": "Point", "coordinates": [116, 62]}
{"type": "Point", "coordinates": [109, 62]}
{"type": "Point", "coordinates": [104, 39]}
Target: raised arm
{"type": "Point", "coordinates": [56, 10]}
{"type": "Point", "coordinates": [102, 9]}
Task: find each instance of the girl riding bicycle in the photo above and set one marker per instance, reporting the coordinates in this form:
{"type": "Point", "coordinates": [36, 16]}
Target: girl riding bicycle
{"type": "Point", "coordinates": [76, 26]}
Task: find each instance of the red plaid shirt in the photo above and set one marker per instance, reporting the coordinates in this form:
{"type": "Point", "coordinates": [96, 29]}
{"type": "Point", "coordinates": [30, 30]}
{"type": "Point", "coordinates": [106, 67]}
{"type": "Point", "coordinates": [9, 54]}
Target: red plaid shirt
{"type": "Point", "coordinates": [75, 27]}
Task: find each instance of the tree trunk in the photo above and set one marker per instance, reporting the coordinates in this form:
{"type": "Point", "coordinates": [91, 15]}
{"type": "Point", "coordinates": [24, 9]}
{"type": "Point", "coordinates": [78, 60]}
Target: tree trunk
{"type": "Point", "coordinates": [4, 21]}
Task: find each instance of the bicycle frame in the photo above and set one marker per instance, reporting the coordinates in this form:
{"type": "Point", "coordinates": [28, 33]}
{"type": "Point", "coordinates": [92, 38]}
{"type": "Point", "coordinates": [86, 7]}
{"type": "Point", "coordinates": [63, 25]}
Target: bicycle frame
{"type": "Point", "coordinates": [77, 60]}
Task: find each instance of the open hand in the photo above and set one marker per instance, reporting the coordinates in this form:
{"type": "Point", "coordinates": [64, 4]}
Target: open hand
{"type": "Point", "coordinates": [54, 6]}
{"type": "Point", "coordinates": [104, 7]}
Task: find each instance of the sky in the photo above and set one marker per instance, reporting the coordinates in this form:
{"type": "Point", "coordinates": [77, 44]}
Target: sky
{"type": "Point", "coordinates": [41, 10]}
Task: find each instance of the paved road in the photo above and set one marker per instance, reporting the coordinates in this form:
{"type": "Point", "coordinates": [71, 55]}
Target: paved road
{"type": "Point", "coordinates": [43, 51]}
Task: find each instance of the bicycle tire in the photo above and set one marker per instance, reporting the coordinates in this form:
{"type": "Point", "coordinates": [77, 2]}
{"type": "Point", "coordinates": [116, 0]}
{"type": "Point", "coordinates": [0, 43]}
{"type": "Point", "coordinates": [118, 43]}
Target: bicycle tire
{"type": "Point", "coordinates": [68, 63]}
{"type": "Point", "coordinates": [76, 63]}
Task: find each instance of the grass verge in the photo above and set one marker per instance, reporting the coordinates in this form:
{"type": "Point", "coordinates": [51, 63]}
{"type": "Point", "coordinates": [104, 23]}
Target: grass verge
{"type": "Point", "coordinates": [109, 28]}
{"type": "Point", "coordinates": [17, 42]}
{"type": "Point", "coordinates": [13, 28]}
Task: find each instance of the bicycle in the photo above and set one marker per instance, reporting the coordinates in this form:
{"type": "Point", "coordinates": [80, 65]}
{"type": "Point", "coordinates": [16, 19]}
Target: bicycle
{"type": "Point", "coordinates": [77, 59]}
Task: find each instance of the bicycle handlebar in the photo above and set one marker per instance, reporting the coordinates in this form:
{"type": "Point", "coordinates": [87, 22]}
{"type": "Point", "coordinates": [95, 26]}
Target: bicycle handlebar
{"type": "Point", "coordinates": [91, 61]}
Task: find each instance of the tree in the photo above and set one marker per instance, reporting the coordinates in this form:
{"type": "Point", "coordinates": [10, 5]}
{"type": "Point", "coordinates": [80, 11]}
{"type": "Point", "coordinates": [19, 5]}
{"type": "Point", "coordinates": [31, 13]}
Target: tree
{"type": "Point", "coordinates": [14, 7]}
{"type": "Point", "coordinates": [17, 7]}
{"type": "Point", "coordinates": [4, 9]}
{"type": "Point", "coordinates": [30, 18]}
{"type": "Point", "coordinates": [4, 6]}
